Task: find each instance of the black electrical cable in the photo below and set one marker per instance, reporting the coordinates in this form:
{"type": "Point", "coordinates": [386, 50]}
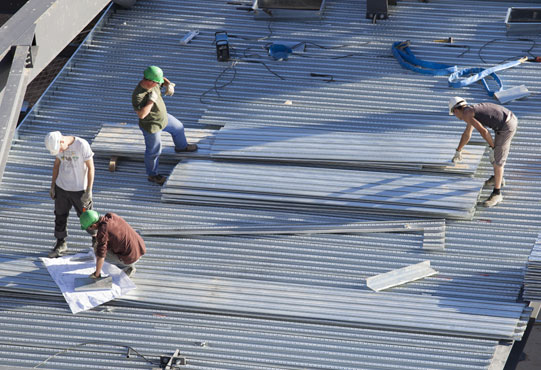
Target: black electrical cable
{"type": "Point", "coordinates": [502, 39]}
{"type": "Point", "coordinates": [266, 66]}
{"type": "Point", "coordinates": [255, 38]}
{"type": "Point", "coordinates": [459, 46]}
{"type": "Point", "coordinates": [97, 342]}
{"type": "Point", "coordinates": [216, 87]}
{"type": "Point", "coordinates": [331, 79]}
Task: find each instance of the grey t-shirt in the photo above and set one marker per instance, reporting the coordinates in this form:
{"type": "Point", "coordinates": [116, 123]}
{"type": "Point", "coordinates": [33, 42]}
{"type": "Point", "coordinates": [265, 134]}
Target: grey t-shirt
{"type": "Point", "coordinates": [491, 115]}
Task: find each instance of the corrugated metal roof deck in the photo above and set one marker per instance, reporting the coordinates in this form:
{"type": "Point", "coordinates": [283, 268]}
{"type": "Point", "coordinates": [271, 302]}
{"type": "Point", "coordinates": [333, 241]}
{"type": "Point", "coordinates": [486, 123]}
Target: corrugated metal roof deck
{"type": "Point", "coordinates": [484, 259]}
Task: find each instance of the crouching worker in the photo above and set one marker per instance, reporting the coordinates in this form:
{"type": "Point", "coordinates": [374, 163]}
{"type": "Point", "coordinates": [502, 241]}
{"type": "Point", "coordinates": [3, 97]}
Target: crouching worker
{"type": "Point", "coordinates": [116, 241]}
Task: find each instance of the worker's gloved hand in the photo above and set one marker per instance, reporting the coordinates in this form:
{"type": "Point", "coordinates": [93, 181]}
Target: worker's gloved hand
{"type": "Point", "coordinates": [170, 89]}
{"type": "Point", "coordinates": [491, 155]}
{"type": "Point", "coordinates": [52, 192]}
{"type": "Point", "coordinates": [153, 96]}
{"type": "Point", "coordinates": [86, 198]}
{"type": "Point", "coordinates": [458, 156]}
{"type": "Point", "coordinates": [94, 276]}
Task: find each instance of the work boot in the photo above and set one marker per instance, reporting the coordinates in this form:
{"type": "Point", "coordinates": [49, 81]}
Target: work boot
{"type": "Point", "coordinates": [493, 200]}
{"type": "Point", "coordinates": [59, 249]}
{"type": "Point", "coordinates": [189, 148]}
{"type": "Point", "coordinates": [490, 181]}
{"type": "Point", "coordinates": [158, 179]}
{"type": "Point", "coordinates": [130, 270]}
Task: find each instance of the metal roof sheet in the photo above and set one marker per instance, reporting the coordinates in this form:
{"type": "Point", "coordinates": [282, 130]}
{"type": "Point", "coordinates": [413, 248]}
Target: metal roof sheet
{"type": "Point", "coordinates": [484, 259]}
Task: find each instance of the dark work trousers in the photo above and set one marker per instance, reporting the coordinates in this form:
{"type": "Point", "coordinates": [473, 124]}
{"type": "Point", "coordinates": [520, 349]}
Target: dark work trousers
{"type": "Point", "coordinates": [63, 202]}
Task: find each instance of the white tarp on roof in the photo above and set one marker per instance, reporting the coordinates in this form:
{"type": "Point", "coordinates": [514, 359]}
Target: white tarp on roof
{"type": "Point", "coordinates": [65, 270]}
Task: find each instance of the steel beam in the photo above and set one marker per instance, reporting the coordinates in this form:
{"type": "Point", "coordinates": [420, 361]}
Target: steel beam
{"type": "Point", "coordinates": [29, 41]}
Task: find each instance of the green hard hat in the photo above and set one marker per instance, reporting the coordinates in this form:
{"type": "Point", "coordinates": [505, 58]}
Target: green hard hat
{"type": "Point", "coordinates": [88, 218]}
{"type": "Point", "coordinates": [154, 73]}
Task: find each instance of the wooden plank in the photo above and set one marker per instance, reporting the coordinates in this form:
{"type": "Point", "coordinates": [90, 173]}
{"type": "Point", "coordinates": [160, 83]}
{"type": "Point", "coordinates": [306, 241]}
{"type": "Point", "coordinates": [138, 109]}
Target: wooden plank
{"type": "Point", "coordinates": [126, 141]}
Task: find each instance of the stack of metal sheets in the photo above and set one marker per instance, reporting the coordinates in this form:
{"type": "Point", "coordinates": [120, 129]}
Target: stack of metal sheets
{"type": "Point", "coordinates": [324, 190]}
{"type": "Point", "coordinates": [126, 140]}
{"type": "Point", "coordinates": [532, 278]}
{"type": "Point", "coordinates": [360, 149]}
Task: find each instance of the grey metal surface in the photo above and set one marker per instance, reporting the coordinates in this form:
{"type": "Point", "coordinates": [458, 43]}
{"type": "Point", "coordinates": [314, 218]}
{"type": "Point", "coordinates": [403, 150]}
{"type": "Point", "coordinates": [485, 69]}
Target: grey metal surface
{"type": "Point", "coordinates": [217, 341]}
{"type": "Point", "coordinates": [29, 41]}
{"type": "Point", "coordinates": [523, 21]}
{"type": "Point", "coordinates": [335, 148]}
{"type": "Point", "coordinates": [53, 24]}
{"type": "Point", "coordinates": [126, 140]}
{"type": "Point", "coordinates": [484, 260]}
{"type": "Point", "coordinates": [332, 190]}
{"type": "Point", "coordinates": [11, 97]}
{"type": "Point", "coordinates": [532, 278]}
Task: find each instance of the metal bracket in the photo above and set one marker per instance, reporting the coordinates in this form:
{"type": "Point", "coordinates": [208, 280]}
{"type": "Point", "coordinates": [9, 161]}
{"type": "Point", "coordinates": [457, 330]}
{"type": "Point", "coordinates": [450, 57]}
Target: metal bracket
{"type": "Point", "coordinates": [32, 52]}
{"type": "Point", "coordinates": [174, 362]}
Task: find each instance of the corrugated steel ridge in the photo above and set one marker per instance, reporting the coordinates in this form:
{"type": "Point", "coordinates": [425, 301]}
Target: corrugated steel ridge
{"type": "Point", "coordinates": [217, 341]}
{"type": "Point", "coordinates": [334, 148]}
{"type": "Point", "coordinates": [532, 277]}
{"type": "Point", "coordinates": [517, 215]}
{"type": "Point", "coordinates": [333, 190]}
{"type": "Point", "coordinates": [324, 260]}
{"type": "Point", "coordinates": [299, 302]}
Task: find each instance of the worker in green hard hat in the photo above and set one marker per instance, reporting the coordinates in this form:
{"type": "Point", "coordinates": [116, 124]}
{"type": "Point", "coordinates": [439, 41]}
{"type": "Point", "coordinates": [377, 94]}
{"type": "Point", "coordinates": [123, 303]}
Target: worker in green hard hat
{"type": "Point", "coordinates": [148, 103]}
{"type": "Point", "coordinates": [116, 241]}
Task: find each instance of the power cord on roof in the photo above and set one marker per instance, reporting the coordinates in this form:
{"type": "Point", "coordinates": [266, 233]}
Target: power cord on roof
{"type": "Point", "coordinates": [510, 58]}
{"type": "Point", "coordinates": [235, 61]}
{"type": "Point", "coordinates": [256, 38]}
{"type": "Point", "coordinates": [97, 342]}
{"type": "Point", "coordinates": [217, 87]}
{"type": "Point", "coordinates": [459, 46]}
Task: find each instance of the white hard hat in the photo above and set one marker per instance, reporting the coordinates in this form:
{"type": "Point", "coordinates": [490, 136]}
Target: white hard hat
{"type": "Point", "coordinates": [454, 102]}
{"type": "Point", "coordinates": [52, 142]}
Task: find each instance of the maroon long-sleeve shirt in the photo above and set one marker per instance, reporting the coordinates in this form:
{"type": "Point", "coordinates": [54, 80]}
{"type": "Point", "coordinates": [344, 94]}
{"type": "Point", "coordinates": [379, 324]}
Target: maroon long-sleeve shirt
{"type": "Point", "coordinates": [118, 236]}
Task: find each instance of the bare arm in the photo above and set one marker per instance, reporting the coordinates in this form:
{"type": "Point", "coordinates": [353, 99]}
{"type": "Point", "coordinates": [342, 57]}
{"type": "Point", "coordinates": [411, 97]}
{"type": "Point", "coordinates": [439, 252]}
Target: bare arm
{"type": "Point", "coordinates": [56, 167]}
{"type": "Point", "coordinates": [99, 265]}
{"type": "Point", "coordinates": [90, 174]}
{"type": "Point", "coordinates": [465, 138]}
{"type": "Point", "coordinates": [469, 117]}
{"type": "Point", "coordinates": [143, 112]}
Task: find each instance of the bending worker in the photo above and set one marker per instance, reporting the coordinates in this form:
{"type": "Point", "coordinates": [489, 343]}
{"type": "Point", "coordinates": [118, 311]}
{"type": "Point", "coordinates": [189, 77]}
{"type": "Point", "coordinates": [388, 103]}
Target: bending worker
{"type": "Point", "coordinates": [116, 241]}
{"type": "Point", "coordinates": [482, 116]}
{"type": "Point", "coordinates": [148, 103]}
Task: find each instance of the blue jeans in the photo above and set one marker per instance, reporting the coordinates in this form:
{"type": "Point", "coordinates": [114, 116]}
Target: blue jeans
{"type": "Point", "coordinates": [153, 143]}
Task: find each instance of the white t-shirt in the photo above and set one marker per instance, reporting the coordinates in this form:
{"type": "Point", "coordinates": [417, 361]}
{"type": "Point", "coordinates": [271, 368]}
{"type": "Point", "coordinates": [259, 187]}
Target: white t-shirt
{"type": "Point", "coordinates": [72, 174]}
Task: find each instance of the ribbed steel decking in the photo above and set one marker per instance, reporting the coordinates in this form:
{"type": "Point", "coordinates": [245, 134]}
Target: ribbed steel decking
{"type": "Point", "coordinates": [483, 263]}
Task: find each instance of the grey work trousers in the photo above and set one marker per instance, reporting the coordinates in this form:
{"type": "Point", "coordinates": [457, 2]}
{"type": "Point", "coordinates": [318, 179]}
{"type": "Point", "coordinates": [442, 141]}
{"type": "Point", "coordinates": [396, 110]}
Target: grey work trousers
{"type": "Point", "coordinates": [63, 202]}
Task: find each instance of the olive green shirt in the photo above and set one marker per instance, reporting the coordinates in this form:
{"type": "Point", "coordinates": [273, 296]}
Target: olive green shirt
{"type": "Point", "coordinates": [156, 120]}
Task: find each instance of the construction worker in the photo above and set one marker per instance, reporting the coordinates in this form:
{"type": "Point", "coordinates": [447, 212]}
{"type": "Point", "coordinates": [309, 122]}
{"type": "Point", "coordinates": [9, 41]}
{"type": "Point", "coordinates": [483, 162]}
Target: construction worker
{"type": "Point", "coordinates": [482, 116]}
{"type": "Point", "coordinates": [71, 184]}
{"type": "Point", "coordinates": [153, 118]}
{"type": "Point", "coordinates": [116, 241]}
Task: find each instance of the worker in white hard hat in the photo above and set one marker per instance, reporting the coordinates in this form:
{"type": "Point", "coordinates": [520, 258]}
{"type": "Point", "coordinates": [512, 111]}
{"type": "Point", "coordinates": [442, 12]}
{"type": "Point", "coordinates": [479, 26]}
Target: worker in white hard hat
{"type": "Point", "coordinates": [483, 116]}
{"type": "Point", "coordinates": [71, 183]}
